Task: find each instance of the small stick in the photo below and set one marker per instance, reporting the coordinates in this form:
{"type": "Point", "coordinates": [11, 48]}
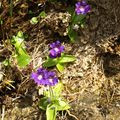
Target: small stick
{"type": "Point", "coordinates": [3, 112]}
{"type": "Point", "coordinates": [71, 115]}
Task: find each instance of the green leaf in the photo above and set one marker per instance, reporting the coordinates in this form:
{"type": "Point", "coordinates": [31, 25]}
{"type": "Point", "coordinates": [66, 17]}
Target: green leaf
{"type": "Point", "coordinates": [30, 12]}
{"type": "Point", "coordinates": [23, 60]}
{"type": "Point", "coordinates": [46, 93]}
{"type": "Point", "coordinates": [57, 89]}
{"type": "Point", "coordinates": [50, 62]}
{"type": "Point", "coordinates": [72, 34]}
{"type": "Point", "coordinates": [61, 105]}
{"type": "Point", "coordinates": [34, 20]}
{"type": "Point", "coordinates": [51, 112]}
{"type": "Point", "coordinates": [6, 62]}
{"type": "Point", "coordinates": [18, 40]}
{"type": "Point", "coordinates": [43, 14]}
{"type": "Point", "coordinates": [78, 19]}
{"type": "Point", "coordinates": [19, 43]}
{"type": "Point", "coordinates": [20, 34]}
{"type": "Point", "coordinates": [60, 67]}
{"type": "Point", "coordinates": [66, 59]}
{"type": "Point", "coordinates": [21, 55]}
{"type": "Point", "coordinates": [43, 103]}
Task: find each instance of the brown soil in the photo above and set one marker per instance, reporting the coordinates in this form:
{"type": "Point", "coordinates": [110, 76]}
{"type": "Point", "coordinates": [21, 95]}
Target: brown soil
{"type": "Point", "coordinates": [92, 82]}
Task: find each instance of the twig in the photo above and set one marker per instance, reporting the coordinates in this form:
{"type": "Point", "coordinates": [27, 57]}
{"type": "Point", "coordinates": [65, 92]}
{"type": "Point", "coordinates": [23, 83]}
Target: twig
{"type": "Point", "coordinates": [3, 112]}
{"type": "Point", "coordinates": [71, 115]}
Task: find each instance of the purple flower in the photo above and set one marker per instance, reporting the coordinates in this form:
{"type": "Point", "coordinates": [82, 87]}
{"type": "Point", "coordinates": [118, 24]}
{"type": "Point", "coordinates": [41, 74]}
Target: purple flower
{"type": "Point", "coordinates": [56, 49]}
{"type": "Point", "coordinates": [82, 8]}
{"type": "Point", "coordinates": [44, 77]}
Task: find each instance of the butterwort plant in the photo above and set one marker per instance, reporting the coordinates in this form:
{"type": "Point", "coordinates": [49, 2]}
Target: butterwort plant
{"type": "Point", "coordinates": [78, 15]}
{"type": "Point", "coordinates": [57, 57]}
{"type": "Point", "coordinates": [20, 54]}
{"type": "Point", "coordinates": [52, 102]}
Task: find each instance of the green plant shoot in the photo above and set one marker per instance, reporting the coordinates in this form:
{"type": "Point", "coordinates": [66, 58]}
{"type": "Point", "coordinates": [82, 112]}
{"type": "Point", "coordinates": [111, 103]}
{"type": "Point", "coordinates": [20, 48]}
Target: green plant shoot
{"type": "Point", "coordinates": [53, 102]}
{"type": "Point", "coordinates": [21, 54]}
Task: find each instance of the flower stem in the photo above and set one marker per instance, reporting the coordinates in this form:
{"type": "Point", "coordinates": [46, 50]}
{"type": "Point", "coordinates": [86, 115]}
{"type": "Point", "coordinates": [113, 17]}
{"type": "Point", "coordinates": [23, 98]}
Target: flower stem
{"type": "Point", "coordinates": [51, 93]}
